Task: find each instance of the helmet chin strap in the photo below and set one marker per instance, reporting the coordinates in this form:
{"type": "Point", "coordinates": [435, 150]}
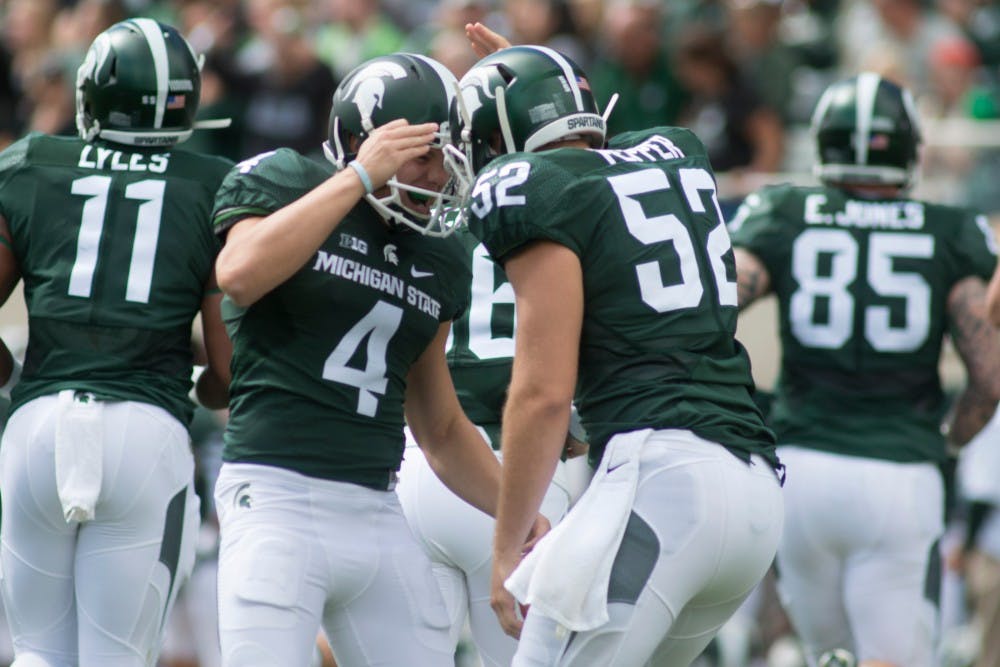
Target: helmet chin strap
{"type": "Point", "coordinates": [463, 111]}
{"type": "Point", "coordinates": [459, 166]}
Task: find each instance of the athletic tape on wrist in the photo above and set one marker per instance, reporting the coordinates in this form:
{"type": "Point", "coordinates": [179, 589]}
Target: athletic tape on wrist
{"type": "Point", "coordinates": [366, 180]}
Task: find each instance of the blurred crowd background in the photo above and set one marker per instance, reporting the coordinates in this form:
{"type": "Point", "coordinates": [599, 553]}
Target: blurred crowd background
{"type": "Point", "coordinates": [743, 74]}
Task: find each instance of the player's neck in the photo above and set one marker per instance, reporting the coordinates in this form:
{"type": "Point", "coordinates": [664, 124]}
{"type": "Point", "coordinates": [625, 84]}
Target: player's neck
{"type": "Point", "coordinates": [565, 143]}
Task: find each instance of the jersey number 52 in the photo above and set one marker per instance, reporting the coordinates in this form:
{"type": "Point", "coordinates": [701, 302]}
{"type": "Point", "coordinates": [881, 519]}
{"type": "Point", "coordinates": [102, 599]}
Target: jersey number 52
{"type": "Point", "coordinates": [670, 228]}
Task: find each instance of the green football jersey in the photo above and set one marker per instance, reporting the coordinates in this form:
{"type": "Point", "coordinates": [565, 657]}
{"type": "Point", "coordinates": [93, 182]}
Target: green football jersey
{"type": "Point", "coordinates": [320, 362]}
{"type": "Point", "coordinates": [115, 246]}
{"type": "Point", "coordinates": [862, 288]}
{"type": "Point", "coordinates": [658, 347]}
{"type": "Point", "coordinates": [481, 347]}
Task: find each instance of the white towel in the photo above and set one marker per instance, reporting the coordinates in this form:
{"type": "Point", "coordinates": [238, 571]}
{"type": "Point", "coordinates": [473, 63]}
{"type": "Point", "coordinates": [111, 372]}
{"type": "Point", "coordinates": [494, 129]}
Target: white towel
{"type": "Point", "coordinates": [566, 575]}
{"type": "Point", "coordinates": [79, 454]}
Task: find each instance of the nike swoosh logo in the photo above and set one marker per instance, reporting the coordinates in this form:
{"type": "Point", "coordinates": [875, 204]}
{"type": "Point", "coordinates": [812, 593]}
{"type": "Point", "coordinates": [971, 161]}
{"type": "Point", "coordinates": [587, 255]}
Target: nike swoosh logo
{"type": "Point", "coordinates": [616, 467]}
{"type": "Point", "coordinates": [417, 273]}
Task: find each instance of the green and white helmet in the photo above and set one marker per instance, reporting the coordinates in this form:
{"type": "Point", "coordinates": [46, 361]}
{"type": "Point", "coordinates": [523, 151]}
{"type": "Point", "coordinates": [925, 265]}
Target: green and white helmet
{"type": "Point", "coordinates": [139, 84]}
{"type": "Point", "coordinates": [866, 133]}
{"type": "Point", "coordinates": [401, 85]}
{"type": "Point", "coordinates": [528, 97]}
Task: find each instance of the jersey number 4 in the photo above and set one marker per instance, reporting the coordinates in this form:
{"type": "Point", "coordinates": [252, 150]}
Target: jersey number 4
{"type": "Point", "coordinates": [379, 325]}
{"type": "Point", "coordinates": [88, 243]}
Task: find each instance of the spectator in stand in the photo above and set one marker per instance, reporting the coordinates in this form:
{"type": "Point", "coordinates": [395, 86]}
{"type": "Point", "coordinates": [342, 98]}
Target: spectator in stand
{"type": "Point", "coordinates": [48, 91]}
{"type": "Point", "coordinates": [27, 35]}
{"type": "Point", "coordinates": [959, 87]}
{"type": "Point", "coordinates": [765, 60]}
{"type": "Point", "coordinates": [213, 28]}
{"type": "Point", "coordinates": [288, 102]}
{"type": "Point", "coordinates": [740, 132]}
{"type": "Point", "coordinates": [904, 31]}
{"type": "Point", "coordinates": [451, 49]}
{"type": "Point", "coordinates": [808, 27]}
{"type": "Point", "coordinates": [635, 65]}
{"type": "Point", "coordinates": [9, 127]}
{"type": "Point", "coordinates": [79, 23]}
{"type": "Point", "coordinates": [685, 13]}
{"type": "Point", "coordinates": [47, 78]}
{"type": "Point", "coordinates": [960, 92]}
{"type": "Point", "coordinates": [436, 38]}
{"type": "Point", "coordinates": [980, 21]}
{"type": "Point", "coordinates": [352, 32]}
{"type": "Point", "coordinates": [587, 18]}
{"type": "Point", "coordinates": [543, 23]}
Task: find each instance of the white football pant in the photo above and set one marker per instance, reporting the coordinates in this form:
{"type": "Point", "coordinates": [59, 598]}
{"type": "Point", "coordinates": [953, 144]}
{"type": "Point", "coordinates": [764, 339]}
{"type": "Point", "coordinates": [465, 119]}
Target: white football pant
{"type": "Point", "coordinates": [95, 594]}
{"type": "Point", "coordinates": [858, 566]}
{"type": "Point", "coordinates": [702, 533]}
{"type": "Point", "coordinates": [459, 540]}
{"type": "Point", "coordinates": [299, 552]}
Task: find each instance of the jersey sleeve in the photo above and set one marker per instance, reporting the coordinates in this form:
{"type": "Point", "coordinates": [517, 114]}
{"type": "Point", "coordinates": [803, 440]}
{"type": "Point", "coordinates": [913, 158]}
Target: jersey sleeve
{"type": "Point", "coordinates": [757, 226]}
{"type": "Point", "coordinates": [12, 158]}
{"type": "Point", "coordinates": [513, 203]}
{"type": "Point", "coordinates": [974, 250]}
{"type": "Point", "coordinates": [261, 185]}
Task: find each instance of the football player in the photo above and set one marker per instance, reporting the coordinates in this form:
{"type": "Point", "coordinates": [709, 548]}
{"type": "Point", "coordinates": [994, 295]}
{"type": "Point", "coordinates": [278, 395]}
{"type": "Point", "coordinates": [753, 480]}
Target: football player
{"type": "Point", "coordinates": [868, 281]}
{"type": "Point", "coordinates": [456, 536]}
{"type": "Point", "coordinates": [624, 289]}
{"type": "Point", "coordinates": [111, 233]}
{"type": "Point", "coordinates": [341, 283]}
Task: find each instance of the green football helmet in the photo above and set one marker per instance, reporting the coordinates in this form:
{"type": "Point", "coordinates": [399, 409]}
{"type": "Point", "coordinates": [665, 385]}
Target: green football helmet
{"type": "Point", "coordinates": [837, 658]}
{"type": "Point", "coordinates": [520, 99]}
{"type": "Point", "coordinates": [866, 133]}
{"type": "Point", "coordinates": [139, 84]}
{"type": "Point", "coordinates": [402, 85]}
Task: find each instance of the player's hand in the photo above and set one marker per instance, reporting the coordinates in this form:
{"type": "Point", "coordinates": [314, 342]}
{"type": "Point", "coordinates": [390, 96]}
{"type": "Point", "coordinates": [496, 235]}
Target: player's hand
{"type": "Point", "coordinates": [391, 145]}
{"type": "Point", "coordinates": [509, 612]}
{"type": "Point", "coordinates": [538, 531]}
{"type": "Point", "coordinates": [483, 40]}
{"type": "Point", "coordinates": [505, 606]}
{"type": "Point", "coordinates": [574, 448]}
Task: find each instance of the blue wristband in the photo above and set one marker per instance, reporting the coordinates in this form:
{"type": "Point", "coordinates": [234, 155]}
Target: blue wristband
{"type": "Point", "coordinates": [366, 180]}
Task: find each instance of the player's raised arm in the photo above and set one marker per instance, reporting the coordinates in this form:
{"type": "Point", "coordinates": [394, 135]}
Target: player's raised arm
{"type": "Point", "coordinates": [262, 253]}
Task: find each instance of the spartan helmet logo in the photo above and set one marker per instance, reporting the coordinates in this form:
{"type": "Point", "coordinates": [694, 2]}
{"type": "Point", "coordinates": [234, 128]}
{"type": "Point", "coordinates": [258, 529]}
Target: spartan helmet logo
{"type": "Point", "coordinates": [94, 60]}
{"type": "Point", "coordinates": [367, 88]}
{"type": "Point", "coordinates": [475, 87]}
{"type": "Point", "coordinates": [389, 253]}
